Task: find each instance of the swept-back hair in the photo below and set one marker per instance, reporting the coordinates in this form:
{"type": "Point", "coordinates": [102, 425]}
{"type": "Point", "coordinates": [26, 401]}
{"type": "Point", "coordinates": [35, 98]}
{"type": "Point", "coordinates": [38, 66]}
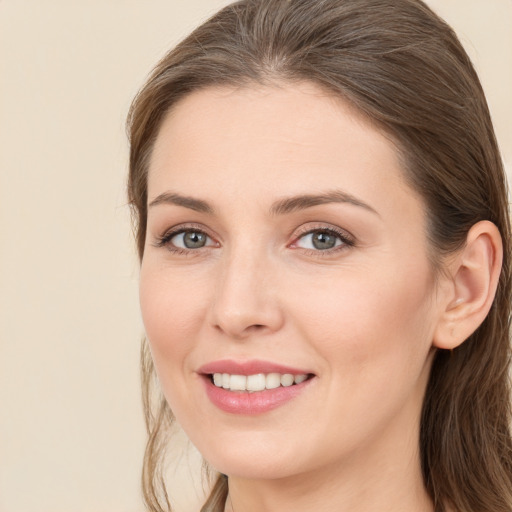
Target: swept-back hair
{"type": "Point", "coordinates": [403, 67]}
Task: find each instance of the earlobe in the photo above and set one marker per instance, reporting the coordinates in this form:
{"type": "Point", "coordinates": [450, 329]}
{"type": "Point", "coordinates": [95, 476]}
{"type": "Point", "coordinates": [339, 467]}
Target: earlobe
{"type": "Point", "coordinates": [473, 279]}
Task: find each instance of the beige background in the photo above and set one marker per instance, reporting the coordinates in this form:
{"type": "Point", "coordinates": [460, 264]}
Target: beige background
{"type": "Point", "coordinates": [71, 431]}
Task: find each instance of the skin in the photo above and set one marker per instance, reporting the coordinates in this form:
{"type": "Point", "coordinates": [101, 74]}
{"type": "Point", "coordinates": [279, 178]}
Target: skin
{"type": "Point", "coordinates": [361, 317]}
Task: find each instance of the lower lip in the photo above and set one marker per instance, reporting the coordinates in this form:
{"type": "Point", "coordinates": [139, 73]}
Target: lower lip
{"type": "Point", "coordinates": [257, 402]}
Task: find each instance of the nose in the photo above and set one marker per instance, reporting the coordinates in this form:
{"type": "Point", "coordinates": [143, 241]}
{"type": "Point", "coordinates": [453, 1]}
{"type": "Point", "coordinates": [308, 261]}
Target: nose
{"type": "Point", "coordinates": [245, 301]}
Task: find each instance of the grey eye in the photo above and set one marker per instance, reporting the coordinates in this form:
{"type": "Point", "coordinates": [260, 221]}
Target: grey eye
{"type": "Point", "coordinates": [190, 240]}
{"type": "Point", "coordinates": [319, 240]}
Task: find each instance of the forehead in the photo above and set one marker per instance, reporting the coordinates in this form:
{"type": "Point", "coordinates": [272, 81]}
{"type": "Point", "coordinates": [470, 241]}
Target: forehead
{"type": "Point", "coordinates": [263, 141]}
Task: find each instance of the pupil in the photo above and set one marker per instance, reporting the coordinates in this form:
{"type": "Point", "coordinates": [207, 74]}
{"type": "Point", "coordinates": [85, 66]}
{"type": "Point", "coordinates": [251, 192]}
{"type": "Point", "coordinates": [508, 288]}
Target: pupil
{"type": "Point", "coordinates": [194, 240]}
{"type": "Point", "coordinates": [323, 241]}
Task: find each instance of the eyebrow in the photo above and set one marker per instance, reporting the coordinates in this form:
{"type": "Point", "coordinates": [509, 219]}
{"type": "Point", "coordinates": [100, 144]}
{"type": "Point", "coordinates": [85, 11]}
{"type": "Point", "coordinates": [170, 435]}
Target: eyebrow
{"type": "Point", "coordinates": [301, 202]}
{"type": "Point", "coordinates": [280, 207]}
{"type": "Point", "coordinates": [192, 203]}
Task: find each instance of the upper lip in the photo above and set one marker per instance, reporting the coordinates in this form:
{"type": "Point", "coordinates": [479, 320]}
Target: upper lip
{"type": "Point", "coordinates": [250, 367]}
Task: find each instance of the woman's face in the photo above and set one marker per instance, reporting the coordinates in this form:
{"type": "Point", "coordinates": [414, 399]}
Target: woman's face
{"type": "Point", "coordinates": [283, 244]}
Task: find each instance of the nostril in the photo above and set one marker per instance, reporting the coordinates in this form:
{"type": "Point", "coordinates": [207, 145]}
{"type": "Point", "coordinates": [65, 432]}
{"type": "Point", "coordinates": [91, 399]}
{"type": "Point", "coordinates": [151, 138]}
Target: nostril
{"type": "Point", "coordinates": [245, 318]}
{"type": "Point", "coordinates": [256, 327]}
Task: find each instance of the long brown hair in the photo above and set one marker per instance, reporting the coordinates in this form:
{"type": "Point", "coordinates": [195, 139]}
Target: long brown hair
{"type": "Point", "coordinates": [403, 67]}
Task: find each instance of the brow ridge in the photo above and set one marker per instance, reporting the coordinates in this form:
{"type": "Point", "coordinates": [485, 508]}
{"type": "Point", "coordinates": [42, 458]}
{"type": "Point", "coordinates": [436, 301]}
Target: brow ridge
{"type": "Point", "coordinates": [280, 207]}
{"type": "Point", "coordinates": [192, 203]}
{"type": "Point", "coordinates": [302, 202]}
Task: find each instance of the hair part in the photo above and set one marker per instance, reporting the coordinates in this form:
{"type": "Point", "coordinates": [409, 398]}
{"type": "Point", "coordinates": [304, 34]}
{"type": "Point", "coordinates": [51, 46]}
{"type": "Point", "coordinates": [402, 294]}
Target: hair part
{"type": "Point", "coordinates": [402, 67]}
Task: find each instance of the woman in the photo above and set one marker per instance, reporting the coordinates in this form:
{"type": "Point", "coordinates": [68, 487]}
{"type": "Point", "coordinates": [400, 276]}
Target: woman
{"type": "Point", "coordinates": [321, 217]}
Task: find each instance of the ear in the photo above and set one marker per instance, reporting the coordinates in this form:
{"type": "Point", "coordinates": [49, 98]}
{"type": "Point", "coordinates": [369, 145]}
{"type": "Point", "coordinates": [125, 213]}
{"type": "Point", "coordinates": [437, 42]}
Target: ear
{"type": "Point", "coordinates": [472, 279]}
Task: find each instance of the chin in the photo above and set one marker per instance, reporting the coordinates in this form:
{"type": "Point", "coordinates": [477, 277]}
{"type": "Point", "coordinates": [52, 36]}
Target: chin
{"type": "Point", "coordinates": [253, 469]}
{"type": "Point", "coordinates": [253, 460]}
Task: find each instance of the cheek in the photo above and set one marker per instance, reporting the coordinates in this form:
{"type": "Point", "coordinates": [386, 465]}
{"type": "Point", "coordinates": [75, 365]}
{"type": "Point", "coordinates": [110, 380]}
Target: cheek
{"type": "Point", "coordinates": [365, 316]}
{"type": "Point", "coordinates": [171, 311]}
{"type": "Point", "coordinates": [373, 337]}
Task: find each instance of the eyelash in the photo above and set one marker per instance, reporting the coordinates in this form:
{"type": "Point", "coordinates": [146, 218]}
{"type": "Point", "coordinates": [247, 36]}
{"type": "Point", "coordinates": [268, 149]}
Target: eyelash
{"type": "Point", "coordinates": [165, 239]}
{"type": "Point", "coordinates": [347, 240]}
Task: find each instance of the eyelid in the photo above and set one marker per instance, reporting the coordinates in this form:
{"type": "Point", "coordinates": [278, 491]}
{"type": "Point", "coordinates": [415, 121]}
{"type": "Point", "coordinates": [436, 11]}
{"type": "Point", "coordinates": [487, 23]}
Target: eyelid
{"type": "Point", "coordinates": [347, 239]}
{"type": "Point", "coordinates": [165, 239]}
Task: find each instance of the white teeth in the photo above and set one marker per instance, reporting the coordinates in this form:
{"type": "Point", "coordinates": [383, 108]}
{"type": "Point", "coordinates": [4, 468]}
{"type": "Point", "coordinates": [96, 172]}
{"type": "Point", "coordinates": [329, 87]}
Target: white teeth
{"type": "Point", "coordinates": [238, 383]}
{"type": "Point", "coordinates": [273, 381]}
{"type": "Point", "coordinates": [217, 379]}
{"type": "Point", "coordinates": [286, 379]}
{"type": "Point", "coordinates": [257, 382]}
{"type": "Point", "coordinates": [300, 378]}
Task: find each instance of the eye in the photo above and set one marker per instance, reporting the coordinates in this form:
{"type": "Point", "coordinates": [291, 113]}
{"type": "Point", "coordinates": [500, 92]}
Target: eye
{"type": "Point", "coordinates": [185, 240]}
{"type": "Point", "coordinates": [323, 240]}
{"type": "Point", "coordinates": [190, 240]}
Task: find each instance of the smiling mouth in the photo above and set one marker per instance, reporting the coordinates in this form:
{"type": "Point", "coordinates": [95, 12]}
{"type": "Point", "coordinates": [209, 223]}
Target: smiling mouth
{"type": "Point", "coordinates": [256, 382]}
